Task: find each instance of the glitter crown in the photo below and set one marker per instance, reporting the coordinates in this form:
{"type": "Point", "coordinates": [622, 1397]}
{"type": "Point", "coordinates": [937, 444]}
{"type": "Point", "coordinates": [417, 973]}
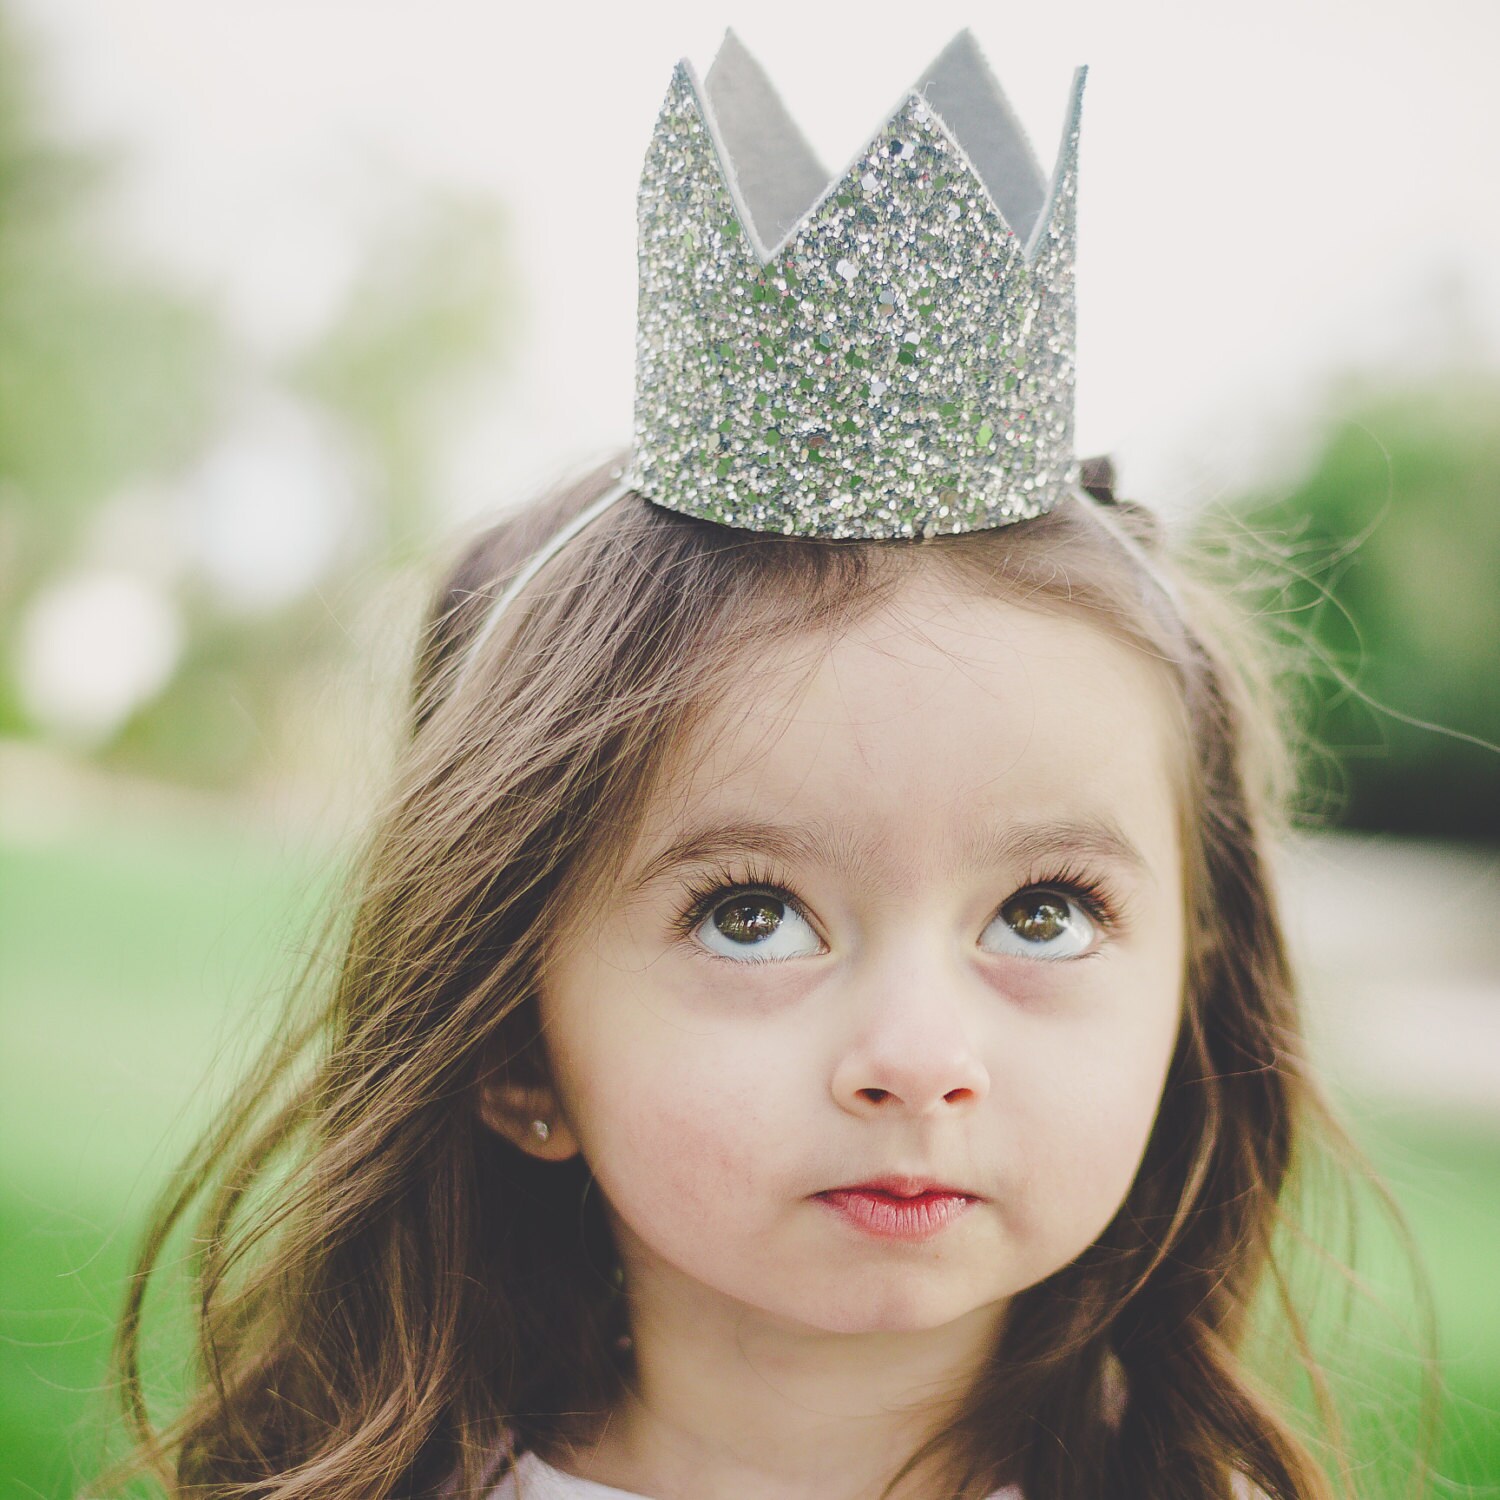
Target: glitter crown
{"type": "Point", "coordinates": [889, 354]}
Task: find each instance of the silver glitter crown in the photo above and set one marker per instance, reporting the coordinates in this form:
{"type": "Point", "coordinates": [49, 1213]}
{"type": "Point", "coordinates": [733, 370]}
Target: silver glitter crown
{"type": "Point", "coordinates": [886, 355]}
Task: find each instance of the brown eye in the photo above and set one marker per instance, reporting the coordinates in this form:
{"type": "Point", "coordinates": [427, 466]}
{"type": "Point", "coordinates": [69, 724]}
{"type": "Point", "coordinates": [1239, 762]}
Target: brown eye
{"type": "Point", "coordinates": [1041, 924]}
{"type": "Point", "coordinates": [757, 927]}
{"type": "Point", "coordinates": [1038, 919]}
{"type": "Point", "coordinates": [749, 919]}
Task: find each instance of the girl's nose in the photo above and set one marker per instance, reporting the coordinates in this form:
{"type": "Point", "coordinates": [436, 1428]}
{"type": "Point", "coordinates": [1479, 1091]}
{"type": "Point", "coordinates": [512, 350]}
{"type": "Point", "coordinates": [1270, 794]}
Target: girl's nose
{"type": "Point", "coordinates": [910, 1050]}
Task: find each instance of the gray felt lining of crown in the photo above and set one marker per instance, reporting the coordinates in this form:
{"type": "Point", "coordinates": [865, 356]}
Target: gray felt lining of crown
{"type": "Point", "coordinates": [776, 180]}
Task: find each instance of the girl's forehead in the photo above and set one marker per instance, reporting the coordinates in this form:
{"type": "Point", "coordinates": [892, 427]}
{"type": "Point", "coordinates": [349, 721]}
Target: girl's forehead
{"type": "Point", "coordinates": [936, 710]}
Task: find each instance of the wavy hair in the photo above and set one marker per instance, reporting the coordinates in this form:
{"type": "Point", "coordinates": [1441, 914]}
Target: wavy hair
{"type": "Point", "coordinates": [387, 1295]}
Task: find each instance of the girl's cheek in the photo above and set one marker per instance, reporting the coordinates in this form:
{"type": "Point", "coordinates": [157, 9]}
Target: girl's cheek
{"type": "Point", "coordinates": [1084, 1138]}
{"type": "Point", "coordinates": [686, 1108]}
{"type": "Point", "coordinates": [1083, 1068]}
{"type": "Point", "coordinates": [682, 1159]}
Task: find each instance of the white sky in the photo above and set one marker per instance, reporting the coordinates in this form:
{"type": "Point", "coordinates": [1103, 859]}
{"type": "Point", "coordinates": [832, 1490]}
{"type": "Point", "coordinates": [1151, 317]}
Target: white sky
{"type": "Point", "coordinates": [1270, 193]}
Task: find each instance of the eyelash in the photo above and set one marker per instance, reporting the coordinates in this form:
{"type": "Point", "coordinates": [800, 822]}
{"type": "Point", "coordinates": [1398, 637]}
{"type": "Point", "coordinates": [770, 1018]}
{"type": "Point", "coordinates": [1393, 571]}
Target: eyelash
{"type": "Point", "coordinates": [720, 883]}
{"type": "Point", "coordinates": [1090, 891]}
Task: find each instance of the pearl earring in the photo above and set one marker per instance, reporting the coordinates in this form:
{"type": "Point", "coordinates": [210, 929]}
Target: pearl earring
{"type": "Point", "coordinates": [541, 1130]}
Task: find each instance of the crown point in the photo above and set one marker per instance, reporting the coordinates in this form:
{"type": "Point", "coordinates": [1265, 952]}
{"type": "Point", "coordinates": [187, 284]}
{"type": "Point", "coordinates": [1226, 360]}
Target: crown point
{"type": "Point", "coordinates": [935, 307]}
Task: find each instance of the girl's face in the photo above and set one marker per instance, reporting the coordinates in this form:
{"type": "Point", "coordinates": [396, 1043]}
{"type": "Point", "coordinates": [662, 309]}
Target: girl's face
{"type": "Point", "coordinates": [914, 919]}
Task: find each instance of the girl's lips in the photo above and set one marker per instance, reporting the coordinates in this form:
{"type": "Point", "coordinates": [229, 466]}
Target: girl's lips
{"type": "Point", "coordinates": [896, 1216]}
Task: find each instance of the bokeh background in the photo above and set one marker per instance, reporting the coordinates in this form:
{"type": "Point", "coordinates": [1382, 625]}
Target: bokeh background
{"type": "Point", "coordinates": [292, 291]}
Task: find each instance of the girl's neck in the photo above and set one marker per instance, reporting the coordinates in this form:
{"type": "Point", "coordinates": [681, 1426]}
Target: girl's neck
{"type": "Point", "coordinates": [728, 1405]}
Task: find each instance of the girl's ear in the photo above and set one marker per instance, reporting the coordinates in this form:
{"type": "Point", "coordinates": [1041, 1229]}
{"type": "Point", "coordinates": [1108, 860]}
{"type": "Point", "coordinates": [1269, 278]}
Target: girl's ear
{"type": "Point", "coordinates": [528, 1116]}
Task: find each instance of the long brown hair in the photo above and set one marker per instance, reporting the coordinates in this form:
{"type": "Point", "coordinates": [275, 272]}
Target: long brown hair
{"type": "Point", "coordinates": [387, 1293]}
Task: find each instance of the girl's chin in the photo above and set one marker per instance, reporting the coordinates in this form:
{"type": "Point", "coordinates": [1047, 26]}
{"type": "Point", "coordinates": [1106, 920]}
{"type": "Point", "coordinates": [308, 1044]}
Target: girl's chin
{"type": "Point", "coordinates": [896, 1308]}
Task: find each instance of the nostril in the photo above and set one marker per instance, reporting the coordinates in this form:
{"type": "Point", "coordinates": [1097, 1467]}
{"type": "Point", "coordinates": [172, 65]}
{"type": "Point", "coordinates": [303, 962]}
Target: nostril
{"type": "Point", "coordinates": [954, 1095]}
{"type": "Point", "coordinates": [876, 1096]}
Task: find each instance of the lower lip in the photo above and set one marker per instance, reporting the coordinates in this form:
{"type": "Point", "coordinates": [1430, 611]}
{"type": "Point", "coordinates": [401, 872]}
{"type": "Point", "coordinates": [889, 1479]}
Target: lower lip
{"type": "Point", "coordinates": [891, 1218]}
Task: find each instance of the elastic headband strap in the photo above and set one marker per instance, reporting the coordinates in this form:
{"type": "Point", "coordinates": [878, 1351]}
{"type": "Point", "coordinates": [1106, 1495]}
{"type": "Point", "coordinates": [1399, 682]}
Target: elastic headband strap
{"type": "Point", "coordinates": [1105, 514]}
{"type": "Point", "coordinates": [1102, 514]}
{"type": "Point", "coordinates": [533, 565]}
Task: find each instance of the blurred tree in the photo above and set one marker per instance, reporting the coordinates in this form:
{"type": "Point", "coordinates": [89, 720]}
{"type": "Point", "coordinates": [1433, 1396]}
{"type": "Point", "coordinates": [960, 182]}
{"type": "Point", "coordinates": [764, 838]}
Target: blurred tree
{"type": "Point", "coordinates": [106, 374]}
{"type": "Point", "coordinates": [424, 316]}
{"type": "Point", "coordinates": [243, 514]}
{"type": "Point", "coordinates": [1394, 541]}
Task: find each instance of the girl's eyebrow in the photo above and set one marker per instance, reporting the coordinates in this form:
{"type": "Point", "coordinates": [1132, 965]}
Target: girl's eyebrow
{"type": "Point", "coordinates": [832, 845]}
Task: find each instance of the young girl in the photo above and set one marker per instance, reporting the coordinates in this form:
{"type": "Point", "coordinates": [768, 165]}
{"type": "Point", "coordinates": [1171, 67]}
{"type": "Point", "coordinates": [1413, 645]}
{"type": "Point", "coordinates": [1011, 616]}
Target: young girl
{"type": "Point", "coordinates": [814, 1021]}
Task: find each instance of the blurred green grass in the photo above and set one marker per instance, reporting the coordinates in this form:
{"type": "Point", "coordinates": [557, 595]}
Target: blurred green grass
{"type": "Point", "coordinates": [139, 960]}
